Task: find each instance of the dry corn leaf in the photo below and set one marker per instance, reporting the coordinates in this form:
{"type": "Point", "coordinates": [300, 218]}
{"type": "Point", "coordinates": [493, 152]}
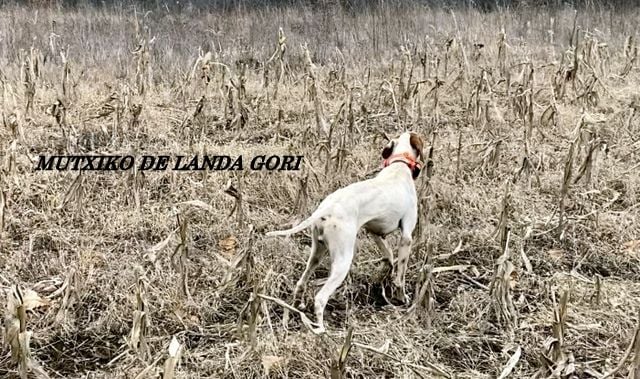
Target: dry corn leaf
{"type": "Point", "coordinates": [28, 365]}
{"type": "Point", "coordinates": [511, 363]}
{"type": "Point", "coordinates": [136, 331]}
{"type": "Point", "coordinates": [48, 285]}
{"type": "Point", "coordinates": [175, 351]}
{"type": "Point", "coordinates": [11, 331]}
{"type": "Point", "coordinates": [90, 257]}
{"type": "Point", "coordinates": [30, 301]}
{"type": "Point", "coordinates": [207, 58]}
{"type": "Point", "coordinates": [631, 247]}
{"type": "Point", "coordinates": [556, 254]}
{"type": "Point", "coordinates": [25, 348]}
{"type": "Point", "coordinates": [162, 244]}
{"type": "Point", "coordinates": [174, 347]}
{"type": "Point", "coordinates": [513, 279]}
{"type": "Point", "coordinates": [180, 312]}
{"type": "Point", "coordinates": [547, 116]}
{"type": "Point", "coordinates": [228, 246]}
{"type": "Point", "coordinates": [450, 268]}
{"type": "Point", "coordinates": [198, 203]}
{"type": "Point", "coordinates": [270, 361]}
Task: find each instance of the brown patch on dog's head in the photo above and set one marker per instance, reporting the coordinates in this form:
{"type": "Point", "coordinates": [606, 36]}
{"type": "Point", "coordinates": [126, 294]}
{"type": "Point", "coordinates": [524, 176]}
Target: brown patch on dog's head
{"type": "Point", "coordinates": [388, 150]}
{"type": "Point", "coordinates": [416, 144]}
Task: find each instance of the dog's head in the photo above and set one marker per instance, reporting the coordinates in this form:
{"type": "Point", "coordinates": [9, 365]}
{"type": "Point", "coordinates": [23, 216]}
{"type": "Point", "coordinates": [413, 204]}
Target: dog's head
{"type": "Point", "coordinates": [407, 142]}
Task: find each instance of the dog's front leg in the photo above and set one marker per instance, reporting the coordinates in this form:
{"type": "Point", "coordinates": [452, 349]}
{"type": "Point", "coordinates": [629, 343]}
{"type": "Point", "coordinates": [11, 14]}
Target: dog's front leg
{"type": "Point", "coordinates": [382, 245]}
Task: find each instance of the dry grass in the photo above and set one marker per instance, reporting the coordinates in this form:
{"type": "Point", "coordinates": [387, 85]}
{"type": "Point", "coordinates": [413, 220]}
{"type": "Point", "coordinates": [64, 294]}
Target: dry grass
{"type": "Point", "coordinates": [527, 255]}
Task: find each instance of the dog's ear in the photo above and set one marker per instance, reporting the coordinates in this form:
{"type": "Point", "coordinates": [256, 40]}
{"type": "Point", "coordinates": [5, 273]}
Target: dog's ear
{"type": "Point", "coordinates": [416, 144]}
{"type": "Point", "coordinates": [386, 152]}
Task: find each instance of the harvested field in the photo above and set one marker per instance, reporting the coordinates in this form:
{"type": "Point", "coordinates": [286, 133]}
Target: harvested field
{"type": "Point", "coordinates": [526, 259]}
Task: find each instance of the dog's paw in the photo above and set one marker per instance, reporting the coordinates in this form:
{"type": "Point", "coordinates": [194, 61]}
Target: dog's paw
{"type": "Point", "coordinates": [319, 330]}
{"type": "Point", "coordinates": [299, 303]}
{"type": "Point", "coordinates": [399, 296]}
{"type": "Point", "coordinates": [395, 300]}
{"type": "Point", "coordinates": [316, 328]}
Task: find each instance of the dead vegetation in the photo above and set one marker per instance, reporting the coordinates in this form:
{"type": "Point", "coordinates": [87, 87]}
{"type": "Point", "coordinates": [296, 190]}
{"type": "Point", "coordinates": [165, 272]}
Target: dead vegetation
{"type": "Point", "coordinates": [527, 261]}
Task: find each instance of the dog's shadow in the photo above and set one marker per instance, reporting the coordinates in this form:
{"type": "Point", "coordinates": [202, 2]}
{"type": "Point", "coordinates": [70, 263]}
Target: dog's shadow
{"type": "Point", "coordinates": [363, 288]}
{"type": "Point", "coordinates": [373, 289]}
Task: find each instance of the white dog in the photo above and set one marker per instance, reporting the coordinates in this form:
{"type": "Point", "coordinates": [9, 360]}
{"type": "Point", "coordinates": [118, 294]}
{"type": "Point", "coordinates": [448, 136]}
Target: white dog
{"type": "Point", "coordinates": [381, 205]}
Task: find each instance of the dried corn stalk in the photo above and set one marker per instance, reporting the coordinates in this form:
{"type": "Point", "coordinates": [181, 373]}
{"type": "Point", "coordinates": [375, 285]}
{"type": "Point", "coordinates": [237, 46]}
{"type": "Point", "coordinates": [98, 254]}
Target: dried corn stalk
{"type": "Point", "coordinates": [321, 122]}
{"type": "Point", "coordinates": [502, 287]}
{"type": "Point", "coordinates": [16, 335]}
{"type": "Point", "coordinates": [3, 207]}
{"type": "Point", "coordinates": [338, 364]}
{"type": "Point", "coordinates": [564, 190]}
{"type": "Point", "coordinates": [631, 54]}
{"type": "Point", "coordinates": [68, 287]}
{"type": "Point", "coordinates": [180, 257]}
{"type": "Point", "coordinates": [556, 361]}
{"type": "Point", "coordinates": [279, 55]}
{"type": "Point", "coordinates": [141, 323]}
{"type": "Point", "coordinates": [426, 295]}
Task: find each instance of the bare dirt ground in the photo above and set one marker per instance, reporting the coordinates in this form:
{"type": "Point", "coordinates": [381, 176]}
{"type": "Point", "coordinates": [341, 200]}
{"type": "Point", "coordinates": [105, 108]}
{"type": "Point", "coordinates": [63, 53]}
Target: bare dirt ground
{"type": "Point", "coordinates": [526, 260]}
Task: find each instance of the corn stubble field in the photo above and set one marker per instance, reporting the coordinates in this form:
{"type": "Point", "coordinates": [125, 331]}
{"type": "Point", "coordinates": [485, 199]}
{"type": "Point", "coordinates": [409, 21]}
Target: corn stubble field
{"type": "Point", "coordinates": [526, 256]}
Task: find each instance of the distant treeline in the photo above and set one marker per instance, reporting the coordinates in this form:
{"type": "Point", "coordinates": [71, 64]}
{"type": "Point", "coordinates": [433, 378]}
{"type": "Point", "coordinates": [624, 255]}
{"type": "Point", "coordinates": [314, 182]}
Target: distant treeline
{"type": "Point", "coordinates": [348, 5]}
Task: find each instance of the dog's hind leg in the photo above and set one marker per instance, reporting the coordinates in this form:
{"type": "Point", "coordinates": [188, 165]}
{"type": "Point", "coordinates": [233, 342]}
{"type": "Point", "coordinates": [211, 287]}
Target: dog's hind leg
{"type": "Point", "coordinates": [318, 249]}
{"type": "Point", "coordinates": [342, 249]}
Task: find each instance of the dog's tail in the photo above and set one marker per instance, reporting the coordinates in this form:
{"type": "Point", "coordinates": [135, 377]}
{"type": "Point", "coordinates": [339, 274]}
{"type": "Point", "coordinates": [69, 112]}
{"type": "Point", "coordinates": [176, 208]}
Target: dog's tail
{"type": "Point", "coordinates": [301, 226]}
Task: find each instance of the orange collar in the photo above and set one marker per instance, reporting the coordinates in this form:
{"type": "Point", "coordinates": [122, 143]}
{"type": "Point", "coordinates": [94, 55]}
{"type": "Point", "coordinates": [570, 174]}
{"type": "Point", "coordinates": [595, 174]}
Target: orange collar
{"type": "Point", "coordinates": [405, 158]}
